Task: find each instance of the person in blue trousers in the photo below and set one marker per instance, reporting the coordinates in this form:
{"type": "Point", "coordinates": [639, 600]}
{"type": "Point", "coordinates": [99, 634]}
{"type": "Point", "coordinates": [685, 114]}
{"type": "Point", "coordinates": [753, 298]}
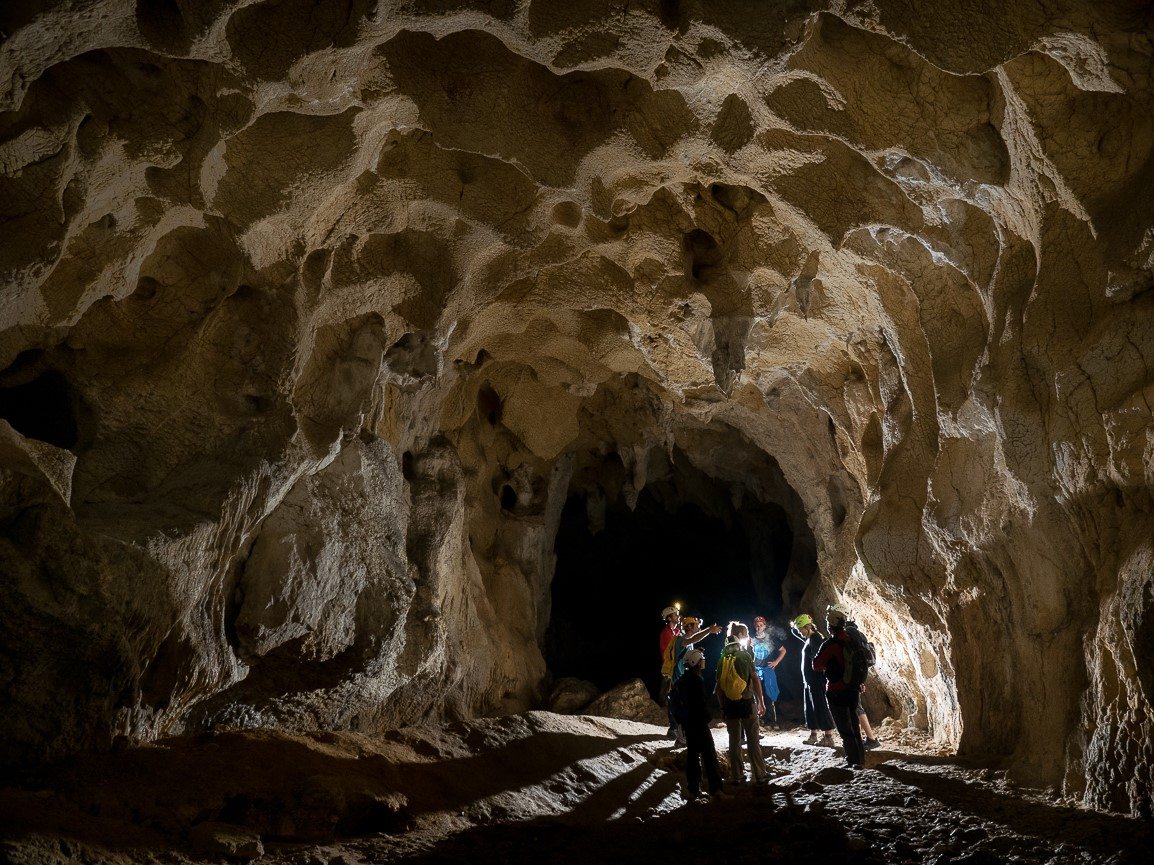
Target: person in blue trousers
{"type": "Point", "coordinates": [768, 652]}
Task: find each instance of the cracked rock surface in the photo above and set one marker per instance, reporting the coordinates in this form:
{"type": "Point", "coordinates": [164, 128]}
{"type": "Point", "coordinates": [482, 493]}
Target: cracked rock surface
{"type": "Point", "coordinates": [314, 314]}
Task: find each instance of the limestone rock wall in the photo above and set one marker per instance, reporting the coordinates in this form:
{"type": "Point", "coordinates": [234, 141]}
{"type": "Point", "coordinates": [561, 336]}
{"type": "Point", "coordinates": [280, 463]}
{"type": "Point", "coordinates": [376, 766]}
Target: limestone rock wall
{"type": "Point", "coordinates": [313, 313]}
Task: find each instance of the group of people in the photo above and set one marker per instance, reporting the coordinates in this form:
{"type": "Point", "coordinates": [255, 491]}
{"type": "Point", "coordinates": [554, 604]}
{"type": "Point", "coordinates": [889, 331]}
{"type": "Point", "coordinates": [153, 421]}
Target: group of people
{"type": "Point", "coordinates": [749, 699]}
{"type": "Point", "coordinates": [828, 698]}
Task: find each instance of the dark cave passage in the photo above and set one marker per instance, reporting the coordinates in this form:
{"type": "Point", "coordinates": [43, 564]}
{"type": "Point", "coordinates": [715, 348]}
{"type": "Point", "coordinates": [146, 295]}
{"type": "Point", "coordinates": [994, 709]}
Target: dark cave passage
{"type": "Point", "coordinates": [611, 584]}
{"type": "Point", "coordinates": [43, 407]}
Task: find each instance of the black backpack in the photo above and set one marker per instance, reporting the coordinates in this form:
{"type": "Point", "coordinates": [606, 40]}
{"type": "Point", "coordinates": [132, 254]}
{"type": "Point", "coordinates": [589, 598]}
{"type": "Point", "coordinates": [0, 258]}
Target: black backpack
{"type": "Point", "coordinates": [859, 656]}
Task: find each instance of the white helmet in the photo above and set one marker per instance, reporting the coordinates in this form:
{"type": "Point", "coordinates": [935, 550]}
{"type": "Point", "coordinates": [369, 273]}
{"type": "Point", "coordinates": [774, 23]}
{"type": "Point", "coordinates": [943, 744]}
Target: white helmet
{"type": "Point", "coordinates": [837, 613]}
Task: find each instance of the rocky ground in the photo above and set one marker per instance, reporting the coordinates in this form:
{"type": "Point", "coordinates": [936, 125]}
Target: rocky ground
{"type": "Point", "coordinates": [529, 788]}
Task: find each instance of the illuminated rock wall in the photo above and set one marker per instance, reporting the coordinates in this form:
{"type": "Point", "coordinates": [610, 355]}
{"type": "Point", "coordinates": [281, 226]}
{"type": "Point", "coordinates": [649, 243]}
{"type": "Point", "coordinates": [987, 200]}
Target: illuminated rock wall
{"type": "Point", "coordinates": [313, 314]}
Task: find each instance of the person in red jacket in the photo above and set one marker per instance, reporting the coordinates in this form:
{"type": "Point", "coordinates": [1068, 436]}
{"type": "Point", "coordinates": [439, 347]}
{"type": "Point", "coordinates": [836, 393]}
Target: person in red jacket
{"type": "Point", "coordinates": [677, 638]}
{"type": "Point", "coordinates": [842, 697]}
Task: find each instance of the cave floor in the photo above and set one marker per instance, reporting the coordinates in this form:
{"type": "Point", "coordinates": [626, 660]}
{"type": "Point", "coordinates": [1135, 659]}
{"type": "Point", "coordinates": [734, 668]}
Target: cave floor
{"type": "Point", "coordinates": [529, 788]}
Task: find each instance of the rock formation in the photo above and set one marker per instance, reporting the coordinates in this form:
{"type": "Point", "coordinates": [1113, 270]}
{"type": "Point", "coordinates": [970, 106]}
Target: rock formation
{"type": "Point", "coordinates": [315, 314]}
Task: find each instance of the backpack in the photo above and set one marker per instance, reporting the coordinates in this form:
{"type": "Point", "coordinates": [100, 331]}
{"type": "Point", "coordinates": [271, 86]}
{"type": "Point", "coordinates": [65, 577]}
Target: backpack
{"type": "Point", "coordinates": [673, 653]}
{"type": "Point", "coordinates": [859, 656]}
{"type": "Point", "coordinates": [732, 685]}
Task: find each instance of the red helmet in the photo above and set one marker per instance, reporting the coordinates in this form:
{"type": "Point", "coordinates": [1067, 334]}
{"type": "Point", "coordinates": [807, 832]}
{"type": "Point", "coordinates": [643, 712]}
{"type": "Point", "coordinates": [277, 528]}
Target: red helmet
{"type": "Point", "coordinates": [759, 620]}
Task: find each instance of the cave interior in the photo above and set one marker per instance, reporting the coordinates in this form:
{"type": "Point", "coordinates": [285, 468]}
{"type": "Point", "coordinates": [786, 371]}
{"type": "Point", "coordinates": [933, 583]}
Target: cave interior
{"type": "Point", "coordinates": [371, 368]}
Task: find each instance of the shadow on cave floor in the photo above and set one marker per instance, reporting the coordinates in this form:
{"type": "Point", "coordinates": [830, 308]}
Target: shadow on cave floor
{"type": "Point", "coordinates": [1009, 807]}
{"type": "Point", "coordinates": [530, 788]}
{"type": "Point", "coordinates": [271, 781]}
{"type": "Point", "coordinates": [744, 828]}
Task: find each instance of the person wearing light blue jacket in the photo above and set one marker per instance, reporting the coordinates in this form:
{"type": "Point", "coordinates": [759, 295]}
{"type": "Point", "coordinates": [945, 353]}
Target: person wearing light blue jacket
{"type": "Point", "coordinates": [768, 652]}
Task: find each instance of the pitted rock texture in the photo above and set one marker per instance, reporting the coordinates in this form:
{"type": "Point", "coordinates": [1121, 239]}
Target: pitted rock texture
{"type": "Point", "coordinates": [315, 313]}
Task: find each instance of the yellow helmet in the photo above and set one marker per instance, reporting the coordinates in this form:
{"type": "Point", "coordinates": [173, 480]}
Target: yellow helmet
{"type": "Point", "coordinates": [803, 620]}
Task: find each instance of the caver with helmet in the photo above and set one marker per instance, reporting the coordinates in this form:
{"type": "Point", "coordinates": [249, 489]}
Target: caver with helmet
{"type": "Point", "coordinates": [768, 652]}
{"type": "Point", "coordinates": [818, 720]}
{"type": "Point", "coordinates": [677, 638]}
{"type": "Point", "coordinates": [689, 698]}
{"type": "Point", "coordinates": [841, 696]}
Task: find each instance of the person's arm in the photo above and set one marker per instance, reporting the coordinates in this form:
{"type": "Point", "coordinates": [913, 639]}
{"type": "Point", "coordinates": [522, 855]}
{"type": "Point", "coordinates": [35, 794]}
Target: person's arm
{"type": "Point", "coordinates": [704, 632]}
{"type": "Point", "coordinates": [780, 654]}
{"type": "Point", "coordinates": [758, 694]}
{"type": "Point", "coordinates": [822, 657]}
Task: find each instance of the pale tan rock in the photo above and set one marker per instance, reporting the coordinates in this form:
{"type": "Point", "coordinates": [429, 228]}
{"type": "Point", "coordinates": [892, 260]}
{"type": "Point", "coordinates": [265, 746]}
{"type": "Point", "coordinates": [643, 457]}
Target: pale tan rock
{"type": "Point", "coordinates": [221, 839]}
{"type": "Point", "coordinates": [570, 696]}
{"type": "Point", "coordinates": [629, 701]}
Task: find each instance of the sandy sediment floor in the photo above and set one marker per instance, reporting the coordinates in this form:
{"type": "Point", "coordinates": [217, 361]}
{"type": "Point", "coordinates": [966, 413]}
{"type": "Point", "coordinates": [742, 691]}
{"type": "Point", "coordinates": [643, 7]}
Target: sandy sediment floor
{"type": "Point", "coordinates": [535, 787]}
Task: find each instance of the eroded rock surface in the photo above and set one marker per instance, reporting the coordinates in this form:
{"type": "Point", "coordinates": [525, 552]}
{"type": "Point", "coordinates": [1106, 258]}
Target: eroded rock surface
{"type": "Point", "coordinates": [315, 314]}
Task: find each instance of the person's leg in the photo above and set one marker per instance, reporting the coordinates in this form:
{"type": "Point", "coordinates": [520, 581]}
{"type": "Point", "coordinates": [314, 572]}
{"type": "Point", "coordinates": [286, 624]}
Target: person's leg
{"type": "Point", "coordinates": [844, 710]}
{"type": "Point", "coordinates": [736, 767]}
{"type": "Point", "coordinates": [693, 755]}
{"type": "Point", "coordinates": [841, 719]}
{"type": "Point", "coordinates": [769, 682]}
{"type": "Point", "coordinates": [709, 759]}
{"type": "Point", "coordinates": [772, 691]}
{"type": "Point", "coordinates": [824, 718]}
{"type": "Point", "coordinates": [810, 713]}
{"type": "Point", "coordinates": [871, 741]}
{"type": "Point", "coordinates": [761, 675]}
{"type": "Point", "coordinates": [857, 746]}
{"type": "Point", "coordinates": [666, 687]}
{"type": "Point", "coordinates": [753, 743]}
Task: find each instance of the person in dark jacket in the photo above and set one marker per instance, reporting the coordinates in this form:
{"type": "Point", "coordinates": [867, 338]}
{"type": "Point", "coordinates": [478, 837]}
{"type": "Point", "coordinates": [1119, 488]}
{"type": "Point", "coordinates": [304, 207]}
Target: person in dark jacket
{"type": "Point", "coordinates": [817, 716]}
{"type": "Point", "coordinates": [700, 751]}
{"type": "Point", "coordinates": [842, 697]}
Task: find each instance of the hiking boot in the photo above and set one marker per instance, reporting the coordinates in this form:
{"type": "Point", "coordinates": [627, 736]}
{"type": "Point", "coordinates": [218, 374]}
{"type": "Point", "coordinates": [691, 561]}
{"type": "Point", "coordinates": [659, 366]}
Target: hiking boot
{"type": "Point", "coordinates": [869, 744]}
{"type": "Point", "coordinates": [827, 741]}
{"type": "Point", "coordinates": [812, 738]}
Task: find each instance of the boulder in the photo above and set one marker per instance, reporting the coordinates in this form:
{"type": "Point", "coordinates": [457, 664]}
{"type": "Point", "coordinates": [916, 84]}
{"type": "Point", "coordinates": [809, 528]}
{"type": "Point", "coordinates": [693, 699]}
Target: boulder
{"type": "Point", "coordinates": [224, 839]}
{"type": "Point", "coordinates": [629, 701]}
{"type": "Point", "coordinates": [569, 695]}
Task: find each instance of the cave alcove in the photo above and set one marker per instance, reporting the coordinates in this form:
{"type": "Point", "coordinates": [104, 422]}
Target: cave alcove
{"type": "Point", "coordinates": [40, 403]}
{"type": "Point", "coordinates": [721, 556]}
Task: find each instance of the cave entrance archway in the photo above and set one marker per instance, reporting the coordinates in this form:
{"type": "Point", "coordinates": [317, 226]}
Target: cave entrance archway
{"type": "Point", "coordinates": [689, 539]}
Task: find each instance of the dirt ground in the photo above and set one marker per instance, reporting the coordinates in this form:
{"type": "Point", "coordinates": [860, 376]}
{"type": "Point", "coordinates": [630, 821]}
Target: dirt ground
{"type": "Point", "coordinates": [530, 788]}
